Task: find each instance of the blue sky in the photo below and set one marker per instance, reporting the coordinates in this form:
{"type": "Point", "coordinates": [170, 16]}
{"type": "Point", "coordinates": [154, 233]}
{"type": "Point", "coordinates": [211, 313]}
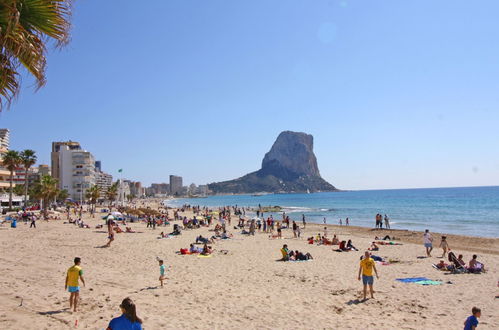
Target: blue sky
{"type": "Point", "coordinates": [397, 94]}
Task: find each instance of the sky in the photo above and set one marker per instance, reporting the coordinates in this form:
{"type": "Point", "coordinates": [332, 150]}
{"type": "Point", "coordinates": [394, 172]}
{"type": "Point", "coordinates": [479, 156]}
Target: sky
{"type": "Point", "coordinates": [397, 94]}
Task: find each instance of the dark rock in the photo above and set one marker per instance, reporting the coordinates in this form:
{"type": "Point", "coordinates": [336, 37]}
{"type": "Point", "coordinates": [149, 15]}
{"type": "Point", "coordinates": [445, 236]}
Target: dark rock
{"type": "Point", "coordinates": [289, 166]}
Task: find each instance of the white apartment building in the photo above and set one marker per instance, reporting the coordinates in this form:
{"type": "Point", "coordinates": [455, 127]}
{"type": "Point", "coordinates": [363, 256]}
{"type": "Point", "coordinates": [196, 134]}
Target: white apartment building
{"type": "Point", "coordinates": [76, 171]}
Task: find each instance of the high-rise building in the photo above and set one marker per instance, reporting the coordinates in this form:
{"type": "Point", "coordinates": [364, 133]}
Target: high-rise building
{"type": "Point", "coordinates": [175, 185]}
{"type": "Point", "coordinates": [76, 170]}
{"type": "Point", "coordinates": [4, 147]}
{"type": "Point", "coordinates": [55, 157]}
{"type": "Point", "coordinates": [103, 180]}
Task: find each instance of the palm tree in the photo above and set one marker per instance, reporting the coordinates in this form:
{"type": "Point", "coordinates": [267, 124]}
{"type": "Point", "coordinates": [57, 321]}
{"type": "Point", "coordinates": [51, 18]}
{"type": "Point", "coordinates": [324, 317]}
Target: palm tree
{"type": "Point", "coordinates": [11, 160]}
{"type": "Point", "coordinates": [28, 159]}
{"type": "Point", "coordinates": [26, 26]}
{"type": "Point", "coordinates": [111, 194]}
{"type": "Point", "coordinates": [62, 195]}
{"type": "Point", "coordinates": [93, 194]}
{"type": "Point", "coordinates": [47, 191]}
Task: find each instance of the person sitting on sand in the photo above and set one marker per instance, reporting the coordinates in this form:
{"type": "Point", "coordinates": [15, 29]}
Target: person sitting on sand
{"type": "Point", "coordinates": [325, 241]}
{"type": "Point", "coordinates": [117, 229]}
{"type": "Point", "coordinates": [285, 253]}
{"type": "Point", "coordinates": [475, 266]}
{"type": "Point", "coordinates": [442, 265]}
{"type": "Point", "coordinates": [350, 245]}
{"type": "Point", "coordinates": [461, 261]}
{"type": "Point", "coordinates": [335, 240]}
{"type": "Point", "coordinates": [374, 247]}
{"type": "Point", "coordinates": [129, 230]}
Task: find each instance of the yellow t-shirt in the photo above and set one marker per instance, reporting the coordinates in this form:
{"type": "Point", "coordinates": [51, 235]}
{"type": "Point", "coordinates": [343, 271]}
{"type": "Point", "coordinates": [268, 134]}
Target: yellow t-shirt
{"type": "Point", "coordinates": [367, 266]}
{"type": "Point", "coordinates": [74, 273]}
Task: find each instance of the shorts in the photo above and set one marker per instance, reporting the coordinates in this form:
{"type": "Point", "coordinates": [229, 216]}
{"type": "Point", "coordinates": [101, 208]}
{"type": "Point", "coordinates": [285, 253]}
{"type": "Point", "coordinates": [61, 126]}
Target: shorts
{"type": "Point", "coordinates": [73, 289]}
{"type": "Point", "coordinates": [367, 280]}
{"type": "Point", "coordinates": [428, 245]}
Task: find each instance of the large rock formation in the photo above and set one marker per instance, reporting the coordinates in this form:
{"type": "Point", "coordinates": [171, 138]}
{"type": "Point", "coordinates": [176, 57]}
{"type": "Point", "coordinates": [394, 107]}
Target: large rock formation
{"type": "Point", "coordinates": [289, 166]}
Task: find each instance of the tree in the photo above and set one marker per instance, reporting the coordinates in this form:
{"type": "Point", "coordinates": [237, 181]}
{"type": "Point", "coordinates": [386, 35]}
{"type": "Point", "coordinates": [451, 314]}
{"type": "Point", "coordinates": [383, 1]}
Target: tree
{"type": "Point", "coordinates": [11, 160]}
{"type": "Point", "coordinates": [93, 194]}
{"type": "Point", "coordinates": [26, 27]}
{"type": "Point", "coordinates": [111, 194]}
{"type": "Point", "coordinates": [19, 190]}
{"type": "Point", "coordinates": [62, 195]}
{"type": "Point", "coordinates": [130, 197]}
{"type": "Point", "coordinates": [47, 191]}
{"type": "Point", "coordinates": [28, 159]}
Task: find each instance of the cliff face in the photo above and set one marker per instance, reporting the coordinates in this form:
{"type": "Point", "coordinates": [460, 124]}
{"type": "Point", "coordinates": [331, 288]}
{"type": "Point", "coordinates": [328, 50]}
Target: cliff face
{"type": "Point", "coordinates": [289, 166]}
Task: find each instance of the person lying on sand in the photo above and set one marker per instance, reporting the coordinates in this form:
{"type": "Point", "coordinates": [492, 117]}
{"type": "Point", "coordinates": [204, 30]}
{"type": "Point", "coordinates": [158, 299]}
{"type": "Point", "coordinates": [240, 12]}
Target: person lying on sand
{"type": "Point", "coordinates": [204, 240]}
{"type": "Point", "coordinates": [129, 230]}
{"type": "Point", "coordinates": [297, 255]}
{"type": "Point", "coordinates": [195, 249]}
{"type": "Point", "coordinates": [206, 250]}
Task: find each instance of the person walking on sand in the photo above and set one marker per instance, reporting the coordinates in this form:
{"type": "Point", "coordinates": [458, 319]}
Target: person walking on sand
{"type": "Point", "coordinates": [161, 272]}
{"type": "Point", "coordinates": [472, 321]}
{"type": "Point", "coordinates": [445, 246]}
{"type": "Point", "coordinates": [74, 274]}
{"type": "Point", "coordinates": [303, 220]}
{"type": "Point", "coordinates": [367, 265]}
{"type": "Point", "coordinates": [110, 231]}
{"type": "Point", "coordinates": [387, 222]}
{"type": "Point", "coordinates": [428, 242]}
{"type": "Point", "coordinates": [33, 221]}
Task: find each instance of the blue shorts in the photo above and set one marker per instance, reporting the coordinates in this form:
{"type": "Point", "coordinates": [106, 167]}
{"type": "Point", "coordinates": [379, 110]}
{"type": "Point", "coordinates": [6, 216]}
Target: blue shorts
{"type": "Point", "coordinates": [428, 245]}
{"type": "Point", "coordinates": [367, 280]}
{"type": "Point", "coordinates": [73, 289]}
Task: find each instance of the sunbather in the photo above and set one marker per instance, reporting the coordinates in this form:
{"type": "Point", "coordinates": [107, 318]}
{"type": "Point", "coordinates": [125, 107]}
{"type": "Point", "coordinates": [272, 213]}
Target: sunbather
{"type": "Point", "coordinates": [374, 247]}
{"type": "Point", "coordinates": [285, 253]}
{"type": "Point", "coordinates": [475, 266]}
{"type": "Point", "coordinates": [206, 250]}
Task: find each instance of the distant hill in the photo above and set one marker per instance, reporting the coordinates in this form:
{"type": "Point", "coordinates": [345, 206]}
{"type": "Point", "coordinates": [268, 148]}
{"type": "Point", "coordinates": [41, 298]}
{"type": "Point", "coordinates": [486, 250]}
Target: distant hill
{"type": "Point", "coordinates": [289, 166]}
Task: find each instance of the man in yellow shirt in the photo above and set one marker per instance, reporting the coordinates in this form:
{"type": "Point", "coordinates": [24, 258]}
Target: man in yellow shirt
{"type": "Point", "coordinates": [74, 274]}
{"type": "Point", "coordinates": [367, 265]}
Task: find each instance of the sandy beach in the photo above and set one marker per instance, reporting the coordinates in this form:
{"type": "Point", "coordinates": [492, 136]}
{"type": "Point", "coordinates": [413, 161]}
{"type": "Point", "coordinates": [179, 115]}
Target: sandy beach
{"type": "Point", "coordinates": [246, 287]}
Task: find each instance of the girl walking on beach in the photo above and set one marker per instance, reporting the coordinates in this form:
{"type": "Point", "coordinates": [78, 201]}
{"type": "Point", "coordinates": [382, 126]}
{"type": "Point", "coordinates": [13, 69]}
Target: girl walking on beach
{"type": "Point", "coordinates": [445, 246]}
{"type": "Point", "coordinates": [129, 318]}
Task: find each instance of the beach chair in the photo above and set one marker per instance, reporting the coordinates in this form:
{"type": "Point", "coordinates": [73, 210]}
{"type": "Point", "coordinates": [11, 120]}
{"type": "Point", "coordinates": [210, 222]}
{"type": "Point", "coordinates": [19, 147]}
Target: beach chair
{"type": "Point", "coordinates": [458, 268]}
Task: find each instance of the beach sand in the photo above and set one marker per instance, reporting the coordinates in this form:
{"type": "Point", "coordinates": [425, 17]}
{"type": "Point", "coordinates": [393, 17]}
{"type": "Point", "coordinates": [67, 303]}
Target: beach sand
{"type": "Point", "coordinates": [245, 288]}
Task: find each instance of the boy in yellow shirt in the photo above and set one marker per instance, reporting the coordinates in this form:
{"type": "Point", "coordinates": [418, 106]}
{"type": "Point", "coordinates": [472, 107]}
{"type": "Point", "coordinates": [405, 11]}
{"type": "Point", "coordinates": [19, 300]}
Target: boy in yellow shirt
{"type": "Point", "coordinates": [74, 274]}
{"type": "Point", "coordinates": [367, 265]}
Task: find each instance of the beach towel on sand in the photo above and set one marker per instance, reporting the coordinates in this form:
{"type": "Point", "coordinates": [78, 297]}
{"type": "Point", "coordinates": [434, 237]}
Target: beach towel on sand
{"type": "Point", "coordinates": [203, 256]}
{"type": "Point", "coordinates": [419, 280]}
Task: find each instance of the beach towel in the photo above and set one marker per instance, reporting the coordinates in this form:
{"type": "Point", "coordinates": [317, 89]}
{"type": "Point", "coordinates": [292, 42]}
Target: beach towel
{"type": "Point", "coordinates": [412, 279]}
{"type": "Point", "coordinates": [429, 282]}
{"type": "Point", "coordinates": [203, 256]}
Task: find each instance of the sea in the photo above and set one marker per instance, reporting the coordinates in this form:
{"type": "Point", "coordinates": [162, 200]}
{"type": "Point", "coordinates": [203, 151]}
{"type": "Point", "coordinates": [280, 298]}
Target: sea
{"type": "Point", "coordinates": [470, 211]}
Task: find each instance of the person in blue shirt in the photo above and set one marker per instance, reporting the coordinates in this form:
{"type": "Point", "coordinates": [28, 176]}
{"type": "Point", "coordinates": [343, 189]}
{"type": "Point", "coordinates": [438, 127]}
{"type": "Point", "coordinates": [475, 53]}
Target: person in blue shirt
{"type": "Point", "coordinates": [128, 320]}
{"type": "Point", "coordinates": [472, 321]}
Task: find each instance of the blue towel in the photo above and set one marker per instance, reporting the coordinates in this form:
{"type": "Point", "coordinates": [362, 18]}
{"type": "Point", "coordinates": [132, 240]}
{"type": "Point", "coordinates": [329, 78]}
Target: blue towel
{"type": "Point", "coordinates": [412, 279]}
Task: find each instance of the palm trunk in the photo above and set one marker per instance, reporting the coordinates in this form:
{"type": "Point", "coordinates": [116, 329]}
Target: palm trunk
{"type": "Point", "coordinates": [10, 192]}
{"type": "Point", "coordinates": [26, 188]}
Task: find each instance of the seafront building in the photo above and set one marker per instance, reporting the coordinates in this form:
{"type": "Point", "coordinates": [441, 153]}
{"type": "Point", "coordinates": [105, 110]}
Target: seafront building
{"type": "Point", "coordinates": [175, 185]}
{"type": "Point", "coordinates": [55, 156]}
{"type": "Point", "coordinates": [75, 171]}
{"type": "Point", "coordinates": [4, 147]}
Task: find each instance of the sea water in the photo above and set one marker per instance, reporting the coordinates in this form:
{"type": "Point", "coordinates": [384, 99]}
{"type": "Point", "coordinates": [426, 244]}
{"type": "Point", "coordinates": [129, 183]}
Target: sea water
{"type": "Point", "coordinates": [467, 211]}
